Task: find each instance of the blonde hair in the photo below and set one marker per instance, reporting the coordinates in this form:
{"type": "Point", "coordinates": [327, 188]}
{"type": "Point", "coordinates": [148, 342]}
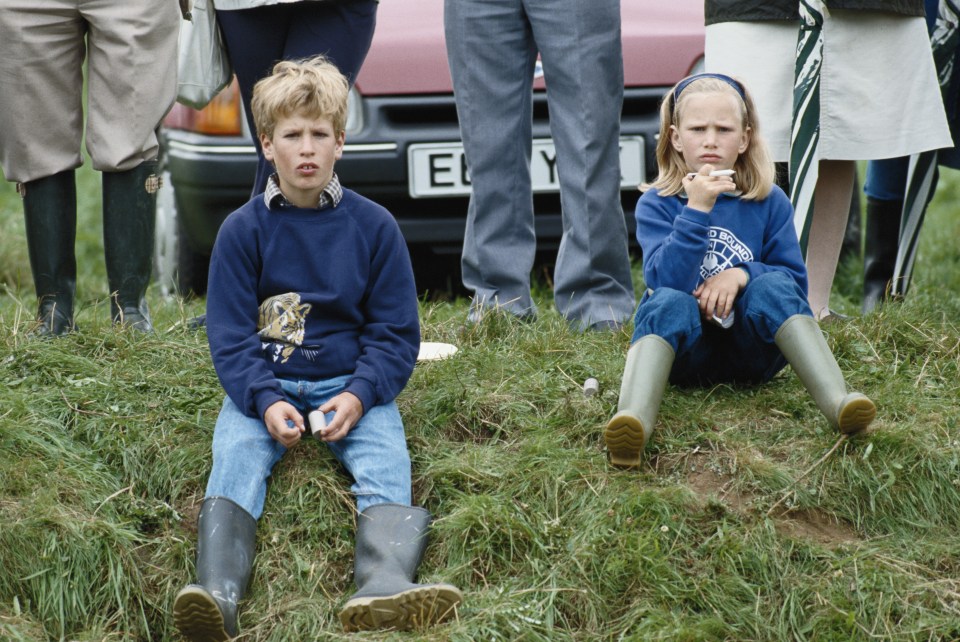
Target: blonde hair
{"type": "Point", "coordinates": [755, 170]}
{"type": "Point", "coordinates": [311, 86]}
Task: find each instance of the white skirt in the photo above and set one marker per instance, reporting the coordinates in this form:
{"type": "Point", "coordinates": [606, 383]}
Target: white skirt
{"type": "Point", "coordinates": [879, 96]}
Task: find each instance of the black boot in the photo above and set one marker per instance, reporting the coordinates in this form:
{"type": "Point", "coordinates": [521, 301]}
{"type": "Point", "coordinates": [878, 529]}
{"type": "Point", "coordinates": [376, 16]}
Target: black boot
{"type": "Point", "coordinates": [50, 213]}
{"type": "Point", "coordinates": [391, 539]}
{"type": "Point", "coordinates": [882, 239]}
{"type": "Point", "coordinates": [207, 612]}
{"type": "Point", "coordinates": [129, 212]}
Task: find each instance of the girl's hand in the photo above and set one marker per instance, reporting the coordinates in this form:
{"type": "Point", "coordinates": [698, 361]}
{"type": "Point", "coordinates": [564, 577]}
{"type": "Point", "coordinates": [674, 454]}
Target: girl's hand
{"type": "Point", "coordinates": [717, 294]}
{"type": "Point", "coordinates": [276, 418]}
{"type": "Point", "coordinates": [703, 189]}
{"type": "Point", "coordinates": [347, 411]}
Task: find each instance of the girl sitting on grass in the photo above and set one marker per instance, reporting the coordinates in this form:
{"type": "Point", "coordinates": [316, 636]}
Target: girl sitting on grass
{"type": "Point", "coordinates": [727, 287]}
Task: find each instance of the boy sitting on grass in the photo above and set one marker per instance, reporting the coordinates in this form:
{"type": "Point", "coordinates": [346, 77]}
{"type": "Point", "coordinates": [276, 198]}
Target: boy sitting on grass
{"type": "Point", "coordinates": [311, 305]}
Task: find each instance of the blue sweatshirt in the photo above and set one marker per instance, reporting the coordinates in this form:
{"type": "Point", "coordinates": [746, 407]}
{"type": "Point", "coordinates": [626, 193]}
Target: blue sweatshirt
{"type": "Point", "coordinates": [311, 294]}
{"type": "Point", "coordinates": [682, 247]}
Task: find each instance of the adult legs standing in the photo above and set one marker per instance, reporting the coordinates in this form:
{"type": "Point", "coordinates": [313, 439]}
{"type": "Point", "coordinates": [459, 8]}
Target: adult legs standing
{"type": "Point", "coordinates": [831, 207]}
{"type": "Point", "coordinates": [258, 38]}
{"type": "Point", "coordinates": [491, 52]}
{"type": "Point", "coordinates": [592, 281]}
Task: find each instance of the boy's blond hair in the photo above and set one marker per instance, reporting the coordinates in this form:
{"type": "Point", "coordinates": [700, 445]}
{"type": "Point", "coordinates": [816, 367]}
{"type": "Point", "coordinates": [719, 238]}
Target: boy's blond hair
{"type": "Point", "coordinates": [755, 170]}
{"type": "Point", "coordinates": [311, 86]}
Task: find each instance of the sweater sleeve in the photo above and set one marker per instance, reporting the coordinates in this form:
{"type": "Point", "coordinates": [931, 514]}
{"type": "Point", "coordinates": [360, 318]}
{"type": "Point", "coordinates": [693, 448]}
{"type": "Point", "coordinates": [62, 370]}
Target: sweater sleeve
{"type": "Point", "coordinates": [781, 249]}
{"type": "Point", "coordinates": [390, 338]}
{"type": "Point", "coordinates": [674, 239]}
{"type": "Point", "coordinates": [232, 313]}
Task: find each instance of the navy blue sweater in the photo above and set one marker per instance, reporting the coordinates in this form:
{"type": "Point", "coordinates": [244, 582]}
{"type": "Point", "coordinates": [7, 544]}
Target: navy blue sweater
{"type": "Point", "coordinates": [311, 294]}
{"type": "Point", "coordinates": [682, 247]}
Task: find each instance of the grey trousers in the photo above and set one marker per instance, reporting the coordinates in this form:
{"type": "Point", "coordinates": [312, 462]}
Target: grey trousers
{"type": "Point", "coordinates": [131, 52]}
{"type": "Point", "coordinates": [492, 48]}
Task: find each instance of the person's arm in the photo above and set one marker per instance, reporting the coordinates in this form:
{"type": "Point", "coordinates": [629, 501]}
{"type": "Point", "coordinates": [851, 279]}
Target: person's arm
{"type": "Point", "coordinates": [232, 312]}
{"type": "Point", "coordinates": [673, 238]}
{"type": "Point", "coordinates": [390, 338]}
{"type": "Point", "coordinates": [781, 249]}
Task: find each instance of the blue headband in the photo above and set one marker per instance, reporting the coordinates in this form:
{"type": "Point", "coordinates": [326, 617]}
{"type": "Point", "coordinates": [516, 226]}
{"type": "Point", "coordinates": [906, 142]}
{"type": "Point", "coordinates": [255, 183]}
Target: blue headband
{"type": "Point", "coordinates": [689, 79]}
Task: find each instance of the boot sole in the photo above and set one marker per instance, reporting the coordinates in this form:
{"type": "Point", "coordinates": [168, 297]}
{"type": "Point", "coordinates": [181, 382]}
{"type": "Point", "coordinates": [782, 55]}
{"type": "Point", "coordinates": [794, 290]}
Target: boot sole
{"type": "Point", "coordinates": [197, 616]}
{"type": "Point", "coordinates": [856, 413]}
{"type": "Point", "coordinates": [416, 608]}
{"type": "Point", "coordinates": [625, 441]}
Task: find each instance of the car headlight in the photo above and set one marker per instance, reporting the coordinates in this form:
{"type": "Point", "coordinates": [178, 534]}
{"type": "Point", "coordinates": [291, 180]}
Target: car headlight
{"type": "Point", "coordinates": [354, 112]}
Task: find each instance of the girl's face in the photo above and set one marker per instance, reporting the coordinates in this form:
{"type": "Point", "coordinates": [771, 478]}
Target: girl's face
{"type": "Point", "coordinates": [710, 131]}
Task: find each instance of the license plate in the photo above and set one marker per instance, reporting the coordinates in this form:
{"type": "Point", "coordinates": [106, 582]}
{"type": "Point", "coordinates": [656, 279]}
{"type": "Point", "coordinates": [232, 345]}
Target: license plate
{"type": "Point", "coordinates": [440, 169]}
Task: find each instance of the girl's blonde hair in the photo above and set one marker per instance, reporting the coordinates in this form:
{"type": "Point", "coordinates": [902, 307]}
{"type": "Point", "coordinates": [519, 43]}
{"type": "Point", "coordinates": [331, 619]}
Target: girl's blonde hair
{"type": "Point", "coordinates": [755, 171]}
{"type": "Point", "coordinates": [311, 86]}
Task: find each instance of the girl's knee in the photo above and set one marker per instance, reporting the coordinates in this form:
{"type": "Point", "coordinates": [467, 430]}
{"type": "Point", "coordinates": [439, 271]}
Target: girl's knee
{"type": "Point", "coordinates": [667, 313]}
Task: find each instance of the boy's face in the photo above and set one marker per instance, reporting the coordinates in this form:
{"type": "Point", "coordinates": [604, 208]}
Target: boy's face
{"type": "Point", "coordinates": [710, 131]}
{"type": "Point", "coordinates": [303, 149]}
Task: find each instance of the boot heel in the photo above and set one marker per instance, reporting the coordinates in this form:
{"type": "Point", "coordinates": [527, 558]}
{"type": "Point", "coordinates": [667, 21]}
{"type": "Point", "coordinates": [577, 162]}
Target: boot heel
{"type": "Point", "coordinates": [856, 412]}
{"type": "Point", "coordinates": [414, 609]}
{"type": "Point", "coordinates": [625, 438]}
{"type": "Point", "coordinates": [197, 616]}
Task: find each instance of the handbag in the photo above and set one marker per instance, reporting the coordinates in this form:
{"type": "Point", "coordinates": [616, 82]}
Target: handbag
{"type": "Point", "coordinates": [203, 68]}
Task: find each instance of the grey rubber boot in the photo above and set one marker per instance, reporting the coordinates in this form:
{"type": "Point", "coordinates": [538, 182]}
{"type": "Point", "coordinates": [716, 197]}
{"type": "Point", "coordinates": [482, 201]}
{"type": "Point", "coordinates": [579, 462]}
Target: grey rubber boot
{"type": "Point", "coordinates": [129, 212]}
{"type": "Point", "coordinates": [391, 539]}
{"type": "Point", "coordinates": [207, 611]}
{"type": "Point", "coordinates": [881, 240]}
{"type": "Point", "coordinates": [50, 214]}
{"type": "Point", "coordinates": [803, 344]}
{"type": "Point", "coordinates": [644, 380]}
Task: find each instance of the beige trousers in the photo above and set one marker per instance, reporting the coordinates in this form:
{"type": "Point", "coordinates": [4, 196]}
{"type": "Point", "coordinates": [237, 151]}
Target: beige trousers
{"type": "Point", "coordinates": [130, 47]}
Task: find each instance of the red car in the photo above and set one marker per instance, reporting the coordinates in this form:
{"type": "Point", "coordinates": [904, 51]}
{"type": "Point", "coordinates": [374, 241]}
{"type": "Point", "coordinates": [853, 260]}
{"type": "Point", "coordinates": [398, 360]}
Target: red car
{"type": "Point", "coordinates": [403, 143]}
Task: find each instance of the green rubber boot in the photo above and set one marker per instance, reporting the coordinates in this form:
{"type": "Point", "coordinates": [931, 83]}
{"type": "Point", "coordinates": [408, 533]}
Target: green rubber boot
{"type": "Point", "coordinates": [129, 212]}
{"type": "Point", "coordinates": [803, 344]}
{"type": "Point", "coordinates": [50, 214]}
{"type": "Point", "coordinates": [391, 539]}
{"type": "Point", "coordinates": [644, 381]}
{"type": "Point", "coordinates": [207, 611]}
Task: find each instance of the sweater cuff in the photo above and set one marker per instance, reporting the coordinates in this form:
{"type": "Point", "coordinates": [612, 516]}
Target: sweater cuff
{"type": "Point", "coordinates": [264, 400]}
{"type": "Point", "coordinates": [364, 391]}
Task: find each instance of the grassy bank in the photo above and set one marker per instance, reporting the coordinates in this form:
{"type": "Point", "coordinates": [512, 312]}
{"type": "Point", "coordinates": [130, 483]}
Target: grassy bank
{"type": "Point", "coordinates": [743, 524]}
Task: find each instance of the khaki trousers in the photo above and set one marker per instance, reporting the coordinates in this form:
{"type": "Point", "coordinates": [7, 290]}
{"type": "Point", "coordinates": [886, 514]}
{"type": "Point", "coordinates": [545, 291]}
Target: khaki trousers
{"type": "Point", "coordinates": [131, 51]}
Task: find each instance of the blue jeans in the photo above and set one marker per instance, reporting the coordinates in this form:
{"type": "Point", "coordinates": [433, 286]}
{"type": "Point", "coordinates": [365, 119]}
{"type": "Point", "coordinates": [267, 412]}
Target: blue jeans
{"type": "Point", "coordinates": [374, 452]}
{"type": "Point", "coordinates": [707, 354]}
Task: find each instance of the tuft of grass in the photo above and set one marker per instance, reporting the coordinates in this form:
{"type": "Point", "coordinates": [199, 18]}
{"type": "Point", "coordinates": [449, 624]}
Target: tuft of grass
{"type": "Point", "coordinates": [747, 520]}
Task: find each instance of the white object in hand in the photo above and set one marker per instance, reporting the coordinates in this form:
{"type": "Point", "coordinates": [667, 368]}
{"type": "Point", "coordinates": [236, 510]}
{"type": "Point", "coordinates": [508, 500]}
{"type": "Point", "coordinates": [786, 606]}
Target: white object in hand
{"type": "Point", "coordinates": [723, 323]}
{"type": "Point", "coordinates": [317, 422]}
{"type": "Point", "coordinates": [716, 172]}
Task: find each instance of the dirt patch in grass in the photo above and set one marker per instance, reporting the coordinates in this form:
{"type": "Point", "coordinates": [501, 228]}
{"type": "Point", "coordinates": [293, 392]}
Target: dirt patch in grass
{"type": "Point", "coordinates": [708, 480]}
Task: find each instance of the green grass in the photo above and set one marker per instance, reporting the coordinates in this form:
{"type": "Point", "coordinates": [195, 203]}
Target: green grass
{"type": "Point", "coordinates": [737, 527]}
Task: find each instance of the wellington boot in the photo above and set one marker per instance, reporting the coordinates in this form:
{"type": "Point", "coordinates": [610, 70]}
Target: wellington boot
{"type": "Point", "coordinates": [129, 212]}
{"type": "Point", "coordinates": [881, 240]}
{"type": "Point", "coordinates": [805, 348]}
{"type": "Point", "coordinates": [50, 212]}
{"type": "Point", "coordinates": [391, 539]}
{"type": "Point", "coordinates": [207, 611]}
{"type": "Point", "coordinates": [644, 380]}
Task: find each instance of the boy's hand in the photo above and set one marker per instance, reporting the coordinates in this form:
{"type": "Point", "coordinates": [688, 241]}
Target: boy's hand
{"type": "Point", "coordinates": [347, 411]}
{"type": "Point", "coordinates": [276, 418]}
{"type": "Point", "coordinates": [703, 189]}
{"type": "Point", "coordinates": [717, 294]}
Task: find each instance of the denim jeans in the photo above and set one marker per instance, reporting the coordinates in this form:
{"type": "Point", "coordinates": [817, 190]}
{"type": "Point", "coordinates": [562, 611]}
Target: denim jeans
{"type": "Point", "coordinates": [707, 354]}
{"type": "Point", "coordinates": [374, 451]}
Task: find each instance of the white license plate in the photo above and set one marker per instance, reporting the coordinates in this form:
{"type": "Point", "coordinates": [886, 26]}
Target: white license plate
{"type": "Point", "coordinates": [440, 169]}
